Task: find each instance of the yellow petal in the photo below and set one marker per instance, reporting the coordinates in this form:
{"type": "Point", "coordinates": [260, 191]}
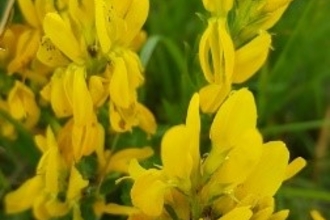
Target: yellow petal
{"type": "Point", "coordinates": [46, 91]}
{"type": "Point", "coordinates": [41, 143]}
{"type": "Point", "coordinates": [203, 54]}
{"type": "Point", "coordinates": [29, 12]}
{"type": "Point", "coordinates": [241, 213]}
{"type": "Point", "coordinates": [240, 162]}
{"type": "Point", "coordinates": [64, 40]}
{"type": "Point", "coordinates": [120, 161]}
{"type": "Point", "coordinates": [216, 52]}
{"type": "Point", "coordinates": [101, 25]}
{"type": "Point", "coordinates": [8, 40]}
{"type": "Point", "coordinates": [82, 11]}
{"type": "Point", "coordinates": [120, 7]}
{"type": "Point", "coordinates": [82, 104]}
{"type": "Point", "coordinates": [54, 167]}
{"type": "Point", "coordinates": [272, 18]}
{"type": "Point", "coordinates": [235, 116]}
{"type": "Point", "coordinates": [135, 17]}
{"type": "Point", "coordinates": [86, 139]}
{"type": "Point", "coordinates": [176, 157]}
{"type": "Point", "coordinates": [16, 100]}
{"type": "Point", "coordinates": [134, 69]}
{"type": "Point", "coordinates": [193, 126]}
{"type": "Point", "coordinates": [60, 102]}
{"type": "Point", "coordinates": [227, 46]}
{"type": "Point", "coordinates": [76, 184]}
{"type": "Point", "coordinates": [43, 7]}
{"type": "Point", "coordinates": [99, 146]}
{"type": "Point", "coordinates": [50, 55]}
{"type": "Point", "coordinates": [119, 85]}
{"type": "Point", "coordinates": [23, 198]}
{"type": "Point", "coordinates": [117, 121]}
{"type": "Point", "coordinates": [51, 140]}
{"type": "Point", "coordinates": [50, 147]}
{"type": "Point", "coordinates": [294, 167]}
{"type": "Point", "coordinates": [316, 215]}
{"type": "Point", "coordinates": [263, 214]}
{"type": "Point", "coordinates": [26, 50]}
{"type": "Point", "coordinates": [65, 143]}
{"type": "Point", "coordinates": [57, 208]}
{"type": "Point", "coordinates": [265, 203]}
{"type": "Point", "coordinates": [142, 195]}
{"type": "Point", "coordinates": [135, 170]}
{"type": "Point", "coordinates": [98, 90]}
{"type": "Point", "coordinates": [269, 173]}
{"type": "Point", "coordinates": [281, 215]}
{"type": "Point", "coordinates": [212, 96]}
{"type": "Point", "coordinates": [138, 41]}
{"type": "Point", "coordinates": [22, 104]}
{"type": "Point", "coordinates": [39, 207]}
{"type": "Point", "coordinates": [147, 121]}
{"type": "Point", "coordinates": [250, 57]}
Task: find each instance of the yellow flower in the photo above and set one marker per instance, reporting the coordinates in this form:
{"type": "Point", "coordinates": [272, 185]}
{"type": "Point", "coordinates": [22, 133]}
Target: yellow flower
{"type": "Point", "coordinates": [53, 177]}
{"type": "Point", "coordinates": [216, 56]}
{"type": "Point", "coordinates": [98, 36]}
{"type": "Point", "coordinates": [236, 180]}
{"type": "Point", "coordinates": [118, 23]}
{"type": "Point", "coordinates": [8, 43]}
{"type": "Point", "coordinates": [223, 64]}
{"type": "Point", "coordinates": [122, 23]}
{"type": "Point", "coordinates": [46, 180]}
{"type": "Point", "coordinates": [181, 166]}
{"type": "Point", "coordinates": [22, 105]}
{"type": "Point", "coordinates": [28, 40]}
{"type": "Point", "coordinates": [78, 141]}
{"type": "Point", "coordinates": [69, 95]}
{"type": "Point", "coordinates": [232, 52]}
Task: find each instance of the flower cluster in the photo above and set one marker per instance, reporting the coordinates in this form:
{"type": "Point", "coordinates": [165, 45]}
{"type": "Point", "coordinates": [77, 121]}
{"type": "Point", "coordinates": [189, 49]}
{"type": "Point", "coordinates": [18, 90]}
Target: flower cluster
{"type": "Point", "coordinates": [235, 44]}
{"type": "Point", "coordinates": [72, 79]}
{"type": "Point", "coordinates": [79, 58]}
{"type": "Point", "coordinates": [236, 180]}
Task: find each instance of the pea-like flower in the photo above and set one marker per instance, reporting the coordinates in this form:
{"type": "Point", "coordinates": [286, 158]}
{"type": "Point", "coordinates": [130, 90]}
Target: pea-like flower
{"type": "Point", "coordinates": [234, 45]}
{"type": "Point", "coordinates": [237, 179]}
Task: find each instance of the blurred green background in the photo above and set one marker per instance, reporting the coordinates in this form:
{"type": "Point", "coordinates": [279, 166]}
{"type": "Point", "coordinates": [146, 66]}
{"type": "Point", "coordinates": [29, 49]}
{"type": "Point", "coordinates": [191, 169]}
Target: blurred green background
{"type": "Point", "coordinates": [292, 93]}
